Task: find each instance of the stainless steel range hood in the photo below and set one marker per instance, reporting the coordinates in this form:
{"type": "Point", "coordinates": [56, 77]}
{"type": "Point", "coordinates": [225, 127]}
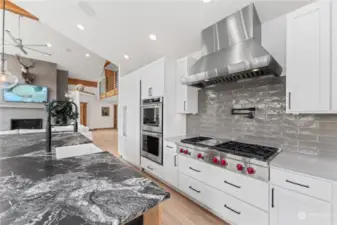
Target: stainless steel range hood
{"type": "Point", "coordinates": [232, 51]}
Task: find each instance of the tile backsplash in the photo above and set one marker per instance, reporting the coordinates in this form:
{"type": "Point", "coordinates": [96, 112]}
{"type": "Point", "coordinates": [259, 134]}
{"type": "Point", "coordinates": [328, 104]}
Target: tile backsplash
{"type": "Point", "coordinates": [271, 126]}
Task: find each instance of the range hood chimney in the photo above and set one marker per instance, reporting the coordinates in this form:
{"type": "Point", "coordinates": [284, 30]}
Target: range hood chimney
{"type": "Point", "coordinates": [232, 51]}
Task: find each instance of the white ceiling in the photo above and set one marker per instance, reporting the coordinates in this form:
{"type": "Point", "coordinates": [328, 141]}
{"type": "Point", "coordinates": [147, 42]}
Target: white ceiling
{"type": "Point", "coordinates": [116, 27]}
{"type": "Point", "coordinates": [34, 32]}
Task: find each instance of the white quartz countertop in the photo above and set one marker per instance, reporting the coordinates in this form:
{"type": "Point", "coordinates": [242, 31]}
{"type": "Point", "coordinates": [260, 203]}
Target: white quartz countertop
{"type": "Point", "coordinates": [178, 139]}
{"type": "Point", "coordinates": [323, 165]}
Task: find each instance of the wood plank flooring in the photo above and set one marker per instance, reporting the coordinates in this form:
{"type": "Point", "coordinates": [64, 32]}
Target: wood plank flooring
{"type": "Point", "coordinates": [178, 210]}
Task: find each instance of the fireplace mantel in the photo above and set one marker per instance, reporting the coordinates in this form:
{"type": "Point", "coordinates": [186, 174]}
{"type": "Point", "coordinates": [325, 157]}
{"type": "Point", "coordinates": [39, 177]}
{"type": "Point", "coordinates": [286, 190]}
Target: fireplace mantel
{"type": "Point", "coordinates": [23, 106]}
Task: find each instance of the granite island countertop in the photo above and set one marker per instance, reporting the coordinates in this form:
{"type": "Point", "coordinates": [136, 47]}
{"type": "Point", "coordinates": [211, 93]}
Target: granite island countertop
{"type": "Point", "coordinates": [36, 188]}
{"type": "Point", "coordinates": [37, 141]}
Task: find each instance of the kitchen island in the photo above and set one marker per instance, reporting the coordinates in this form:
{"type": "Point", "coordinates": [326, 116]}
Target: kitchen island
{"type": "Point", "coordinates": [36, 188]}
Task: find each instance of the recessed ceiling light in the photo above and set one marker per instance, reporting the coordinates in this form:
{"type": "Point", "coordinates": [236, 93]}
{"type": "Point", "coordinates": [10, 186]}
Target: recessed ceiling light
{"type": "Point", "coordinates": [80, 26]}
{"type": "Point", "coordinates": [153, 37]}
{"type": "Point", "coordinates": [48, 45]}
{"type": "Point", "coordinates": [126, 56]}
{"type": "Point", "coordinates": [87, 55]}
{"type": "Point", "coordinates": [206, 1]}
{"type": "Point", "coordinates": [255, 70]}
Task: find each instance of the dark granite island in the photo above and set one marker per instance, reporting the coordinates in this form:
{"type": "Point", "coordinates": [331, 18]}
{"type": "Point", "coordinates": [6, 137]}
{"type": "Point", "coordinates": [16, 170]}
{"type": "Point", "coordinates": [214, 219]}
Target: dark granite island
{"type": "Point", "coordinates": [36, 188]}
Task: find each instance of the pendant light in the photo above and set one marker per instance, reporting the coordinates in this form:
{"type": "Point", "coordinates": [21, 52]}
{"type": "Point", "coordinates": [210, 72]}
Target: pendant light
{"type": "Point", "coordinates": [7, 80]}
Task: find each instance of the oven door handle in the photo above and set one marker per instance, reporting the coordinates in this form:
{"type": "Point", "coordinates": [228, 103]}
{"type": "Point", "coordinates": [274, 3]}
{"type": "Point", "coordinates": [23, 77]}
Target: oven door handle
{"type": "Point", "coordinates": [159, 105]}
{"type": "Point", "coordinates": [152, 134]}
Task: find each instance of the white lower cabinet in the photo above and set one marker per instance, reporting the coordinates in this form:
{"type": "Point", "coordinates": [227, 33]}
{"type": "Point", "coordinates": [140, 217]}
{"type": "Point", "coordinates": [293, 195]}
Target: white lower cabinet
{"type": "Point", "coordinates": [228, 208]}
{"type": "Point", "coordinates": [236, 211]}
{"type": "Point", "coordinates": [168, 172]}
{"type": "Point", "coordinates": [291, 208]}
{"type": "Point", "coordinates": [152, 167]}
{"type": "Point", "coordinates": [229, 182]}
{"type": "Point", "coordinates": [170, 164]}
{"type": "Point", "coordinates": [196, 190]}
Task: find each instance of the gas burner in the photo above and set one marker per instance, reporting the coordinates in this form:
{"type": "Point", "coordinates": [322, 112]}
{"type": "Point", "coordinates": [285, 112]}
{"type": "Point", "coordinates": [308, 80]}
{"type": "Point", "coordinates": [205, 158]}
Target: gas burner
{"type": "Point", "coordinates": [247, 159]}
{"type": "Point", "coordinates": [260, 152]}
{"type": "Point", "coordinates": [196, 140]}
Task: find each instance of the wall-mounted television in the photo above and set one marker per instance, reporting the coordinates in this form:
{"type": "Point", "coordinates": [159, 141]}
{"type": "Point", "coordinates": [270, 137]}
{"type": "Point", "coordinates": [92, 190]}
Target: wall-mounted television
{"type": "Point", "coordinates": [26, 93]}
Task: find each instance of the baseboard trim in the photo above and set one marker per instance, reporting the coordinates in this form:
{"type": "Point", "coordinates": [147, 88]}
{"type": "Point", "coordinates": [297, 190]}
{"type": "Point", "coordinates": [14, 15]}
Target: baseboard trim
{"type": "Point", "coordinates": [108, 128]}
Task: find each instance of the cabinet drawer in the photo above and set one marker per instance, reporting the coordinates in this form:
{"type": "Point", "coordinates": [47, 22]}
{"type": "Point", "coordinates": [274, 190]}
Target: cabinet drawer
{"type": "Point", "coordinates": [197, 190]}
{"type": "Point", "coordinates": [240, 186]}
{"type": "Point", "coordinates": [170, 146]}
{"type": "Point", "coordinates": [197, 170]}
{"type": "Point", "coordinates": [152, 167]}
{"type": "Point", "coordinates": [238, 212]}
{"type": "Point", "coordinates": [232, 183]}
{"type": "Point", "coordinates": [301, 183]}
{"type": "Point", "coordinates": [228, 208]}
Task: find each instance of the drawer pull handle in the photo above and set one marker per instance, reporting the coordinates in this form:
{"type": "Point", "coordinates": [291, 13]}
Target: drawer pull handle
{"type": "Point", "coordinates": [226, 182]}
{"type": "Point", "coordinates": [149, 168]}
{"type": "Point", "coordinates": [169, 146]}
{"type": "Point", "coordinates": [272, 197]}
{"type": "Point", "coordinates": [237, 212]}
{"type": "Point", "coordinates": [190, 187]}
{"type": "Point", "coordinates": [195, 170]}
{"type": "Point", "coordinates": [301, 185]}
{"type": "Point", "coordinates": [175, 160]}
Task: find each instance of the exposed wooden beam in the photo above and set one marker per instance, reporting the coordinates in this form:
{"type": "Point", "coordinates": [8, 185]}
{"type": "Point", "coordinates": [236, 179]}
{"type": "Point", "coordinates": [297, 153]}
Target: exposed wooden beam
{"type": "Point", "coordinates": [106, 63]}
{"type": "Point", "coordinates": [86, 83]}
{"type": "Point", "coordinates": [10, 6]}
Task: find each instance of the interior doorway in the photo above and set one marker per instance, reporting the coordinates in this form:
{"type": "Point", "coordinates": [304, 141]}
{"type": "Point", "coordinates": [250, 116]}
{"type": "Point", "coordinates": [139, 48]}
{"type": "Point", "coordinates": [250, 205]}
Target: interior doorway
{"type": "Point", "coordinates": [115, 116]}
{"type": "Point", "coordinates": [83, 113]}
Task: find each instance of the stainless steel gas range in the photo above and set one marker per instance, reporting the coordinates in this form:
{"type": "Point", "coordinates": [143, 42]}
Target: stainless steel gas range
{"type": "Point", "coordinates": [248, 159]}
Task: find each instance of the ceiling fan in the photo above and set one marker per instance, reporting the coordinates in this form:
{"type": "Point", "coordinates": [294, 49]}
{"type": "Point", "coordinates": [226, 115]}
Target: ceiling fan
{"type": "Point", "coordinates": [18, 42]}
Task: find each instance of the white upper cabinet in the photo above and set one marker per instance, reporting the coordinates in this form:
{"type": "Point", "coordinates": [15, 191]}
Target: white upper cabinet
{"type": "Point", "coordinates": [334, 56]}
{"type": "Point", "coordinates": [186, 96]}
{"type": "Point", "coordinates": [152, 77]}
{"type": "Point", "coordinates": [309, 59]}
{"type": "Point", "coordinates": [291, 208]}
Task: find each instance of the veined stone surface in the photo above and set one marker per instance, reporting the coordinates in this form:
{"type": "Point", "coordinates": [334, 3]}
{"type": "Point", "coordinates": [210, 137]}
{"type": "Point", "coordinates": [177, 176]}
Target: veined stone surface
{"type": "Point", "coordinates": [36, 188]}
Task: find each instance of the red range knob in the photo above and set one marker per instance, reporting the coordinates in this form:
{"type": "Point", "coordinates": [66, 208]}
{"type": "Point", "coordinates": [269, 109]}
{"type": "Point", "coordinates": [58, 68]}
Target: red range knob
{"type": "Point", "coordinates": [250, 170]}
{"type": "Point", "coordinates": [223, 162]}
{"type": "Point", "coordinates": [181, 150]}
{"type": "Point", "coordinates": [239, 167]}
{"type": "Point", "coordinates": [199, 156]}
{"type": "Point", "coordinates": [186, 152]}
{"type": "Point", "coordinates": [215, 160]}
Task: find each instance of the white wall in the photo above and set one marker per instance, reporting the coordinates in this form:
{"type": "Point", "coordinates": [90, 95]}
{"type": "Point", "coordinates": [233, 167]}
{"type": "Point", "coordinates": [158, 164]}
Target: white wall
{"type": "Point", "coordinates": [274, 39]}
{"type": "Point", "coordinates": [87, 89]}
{"type": "Point", "coordinates": [99, 121]}
{"type": "Point", "coordinates": [95, 120]}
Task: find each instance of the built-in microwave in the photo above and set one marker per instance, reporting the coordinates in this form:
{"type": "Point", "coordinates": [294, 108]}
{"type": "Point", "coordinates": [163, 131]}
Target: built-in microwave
{"type": "Point", "coordinates": [152, 115]}
{"type": "Point", "coordinates": [152, 146]}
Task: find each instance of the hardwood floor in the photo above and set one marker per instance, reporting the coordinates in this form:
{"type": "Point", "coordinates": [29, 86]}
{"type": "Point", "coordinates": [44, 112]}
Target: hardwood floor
{"type": "Point", "coordinates": [178, 210]}
{"type": "Point", "coordinates": [106, 140]}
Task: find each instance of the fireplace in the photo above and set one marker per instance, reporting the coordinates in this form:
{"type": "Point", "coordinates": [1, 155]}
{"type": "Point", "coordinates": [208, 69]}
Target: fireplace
{"type": "Point", "coordinates": [26, 124]}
